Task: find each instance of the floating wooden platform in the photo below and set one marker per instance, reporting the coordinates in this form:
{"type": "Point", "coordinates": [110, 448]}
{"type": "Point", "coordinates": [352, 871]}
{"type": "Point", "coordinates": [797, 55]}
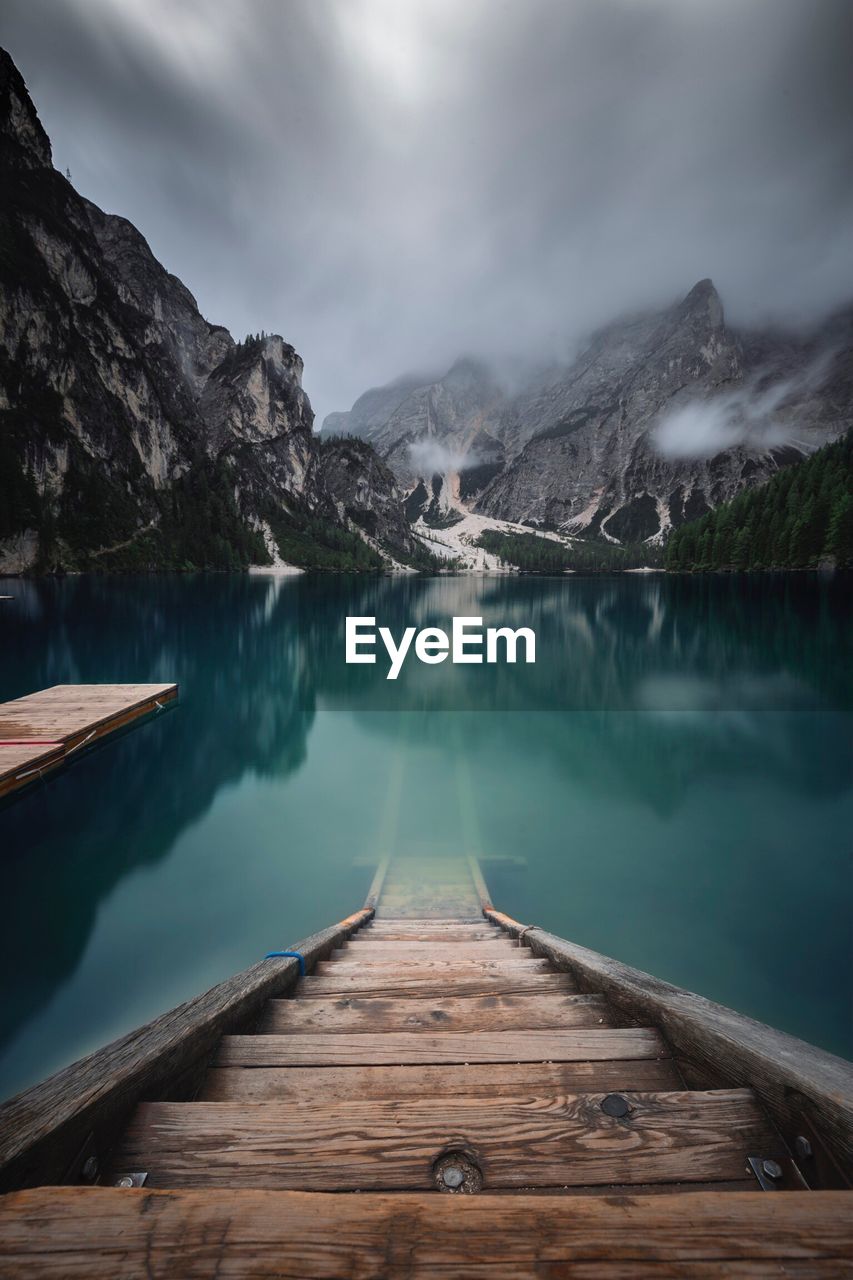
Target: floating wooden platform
{"type": "Point", "coordinates": [40, 732]}
{"type": "Point", "coordinates": [505, 1102]}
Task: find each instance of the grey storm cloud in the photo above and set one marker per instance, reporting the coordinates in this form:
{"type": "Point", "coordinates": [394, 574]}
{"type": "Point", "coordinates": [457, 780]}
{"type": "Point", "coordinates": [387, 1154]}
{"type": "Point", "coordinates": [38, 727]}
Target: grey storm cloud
{"type": "Point", "coordinates": [390, 183]}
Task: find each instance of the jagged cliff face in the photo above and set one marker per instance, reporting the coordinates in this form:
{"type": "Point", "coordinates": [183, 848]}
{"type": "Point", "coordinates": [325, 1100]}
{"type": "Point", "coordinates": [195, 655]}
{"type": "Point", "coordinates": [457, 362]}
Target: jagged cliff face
{"type": "Point", "coordinates": [658, 418]}
{"type": "Point", "coordinates": [132, 431]}
{"type": "Point", "coordinates": [429, 430]}
{"type": "Point", "coordinates": [367, 497]}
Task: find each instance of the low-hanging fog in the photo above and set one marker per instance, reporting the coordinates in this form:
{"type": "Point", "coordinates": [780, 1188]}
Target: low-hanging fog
{"type": "Point", "coordinates": [392, 183]}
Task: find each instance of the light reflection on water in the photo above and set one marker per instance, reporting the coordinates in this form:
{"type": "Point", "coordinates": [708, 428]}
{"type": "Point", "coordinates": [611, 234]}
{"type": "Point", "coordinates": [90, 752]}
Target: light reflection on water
{"type": "Point", "coordinates": [672, 784]}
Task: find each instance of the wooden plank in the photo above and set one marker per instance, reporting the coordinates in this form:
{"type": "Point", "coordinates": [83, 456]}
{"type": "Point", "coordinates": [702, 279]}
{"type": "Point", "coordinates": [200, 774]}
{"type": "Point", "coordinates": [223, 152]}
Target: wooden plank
{"type": "Point", "coordinates": [43, 1129]}
{"type": "Point", "coordinates": [99, 1233]}
{"type": "Point", "coordinates": [399, 1047]}
{"type": "Point", "coordinates": [373, 951]}
{"type": "Point", "coordinates": [559, 1141]}
{"type": "Point", "coordinates": [65, 718]}
{"type": "Point", "coordinates": [796, 1081]}
{"type": "Point", "coordinates": [466, 933]}
{"type": "Point", "coordinates": [400, 1084]}
{"type": "Point", "coordinates": [460, 983]}
{"type": "Point", "coordinates": [340, 1014]}
{"type": "Point", "coordinates": [506, 964]}
{"type": "Point", "coordinates": [70, 711]}
{"type": "Point", "coordinates": [414, 922]}
{"type": "Point", "coordinates": [20, 765]}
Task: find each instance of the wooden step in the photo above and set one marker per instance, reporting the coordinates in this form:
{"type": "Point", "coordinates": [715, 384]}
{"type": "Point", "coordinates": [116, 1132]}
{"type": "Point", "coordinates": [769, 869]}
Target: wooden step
{"type": "Point", "coordinates": [439, 949]}
{"type": "Point", "coordinates": [344, 962]}
{"type": "Point", "coordinates": [306, 1085]}
{"type": "Point", "coordinates": [470, 933]}
{"type": "Point", "coordinates": [447, 922]}
{"type": "Point", "coordinates": [519, 1142]}
{"type": "Point", "coordinates": [98, 1233]}
{"type": "Point", "coordinates": [581, 1044]}
{"type": "Point", "coordinates": [452, 1013]}
{"type": "Point", "coordinates": [460, 983]}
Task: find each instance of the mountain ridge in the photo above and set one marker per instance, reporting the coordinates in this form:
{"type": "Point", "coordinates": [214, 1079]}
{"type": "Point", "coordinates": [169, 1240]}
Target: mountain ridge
{"type": "Point", "coordinates": [134, 433]}
{"type": "Point", "coordinates": [609, 443]}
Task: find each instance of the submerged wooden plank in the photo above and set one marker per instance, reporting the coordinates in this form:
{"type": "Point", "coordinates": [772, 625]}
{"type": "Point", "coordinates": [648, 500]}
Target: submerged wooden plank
{"type": "Point", "coordinates": [100, 1233]}
{"type": "Point", "coordinates": [400, 1047]}
{"type": "Point", "coordinates": [452, 1013]}
{"type": "Point", "coordinates": [519, 1142]}
{"type": "Point", "coordinates": [43, 1128]}
{"type": "Point", "coordinates": [399, 1084]}
{"type": "Point", "coordinates": [462, 982]}
{"type": "Point", "coordinates": [795, 1080]}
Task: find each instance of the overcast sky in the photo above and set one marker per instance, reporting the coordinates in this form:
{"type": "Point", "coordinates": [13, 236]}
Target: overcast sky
{"type": "Point", "coordinates": [392, 183]}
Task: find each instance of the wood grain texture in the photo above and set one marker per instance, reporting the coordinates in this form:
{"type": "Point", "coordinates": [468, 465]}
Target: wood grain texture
{"type": "Point", "coordinates": [68, 711]}
{"type": "Point", "coordinates": [454, 1013]}
{"type": "Point", "coordinates": [100, 1234]}
{"type": "Point", "coordinates": [460, 983]}
{"type": "Point", "coordinates": [794, 1079]}
{"type": "Point", "coordinates": [73, 716]}
{"type": "Point", "coordinates": [43, 1128]}
{"type": "Point", "coordinates": [33, 761]}
{"type": "Point", "coordinates": [443, 968]}
{"type": "Point", "coordinates": [401, 1048]}
{"type": "Point", "coordinates": [519, 1142]}
{"type": "Point", "coordinates": [400, 1084]}
{"type": "Point", "coordinates": [460, 933]}
{"type": "Point", "coordinates": [493, 942]}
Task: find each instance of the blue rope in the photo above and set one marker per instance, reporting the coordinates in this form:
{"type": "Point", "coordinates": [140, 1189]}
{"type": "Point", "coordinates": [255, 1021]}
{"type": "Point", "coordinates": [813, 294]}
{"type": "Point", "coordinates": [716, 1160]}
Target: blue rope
{"type": "Point", "coordinates": [294, 954]}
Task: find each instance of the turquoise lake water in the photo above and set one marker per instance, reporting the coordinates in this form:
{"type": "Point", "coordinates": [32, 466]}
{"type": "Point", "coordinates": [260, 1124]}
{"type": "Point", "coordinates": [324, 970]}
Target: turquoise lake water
{"type": "Point", "coordinates": [671, 783]}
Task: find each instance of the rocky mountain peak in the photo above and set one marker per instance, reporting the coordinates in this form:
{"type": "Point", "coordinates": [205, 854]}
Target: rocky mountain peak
{"type": "Point", "coordinates": [19, 122]}
{"type": "Point", "coordinates": [704, 302]}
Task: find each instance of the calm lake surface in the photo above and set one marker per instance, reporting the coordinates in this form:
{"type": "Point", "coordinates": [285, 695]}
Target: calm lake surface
{"type": "Point", "coordinates": [671, 784]}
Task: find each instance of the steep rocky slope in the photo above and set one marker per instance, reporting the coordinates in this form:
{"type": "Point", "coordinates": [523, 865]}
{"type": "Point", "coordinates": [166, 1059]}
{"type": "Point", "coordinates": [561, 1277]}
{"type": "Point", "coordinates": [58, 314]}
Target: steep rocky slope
{"type": "Point", "coordinates": [134, 433]}
{"type": "Point", "coordinates": [659, 418]}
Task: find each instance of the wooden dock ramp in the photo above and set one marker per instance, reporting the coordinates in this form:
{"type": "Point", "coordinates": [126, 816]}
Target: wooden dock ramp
{"type": "Point", "coordinates": [498, 1115]}
{"type": "Point", "coordinates": [44, 730]}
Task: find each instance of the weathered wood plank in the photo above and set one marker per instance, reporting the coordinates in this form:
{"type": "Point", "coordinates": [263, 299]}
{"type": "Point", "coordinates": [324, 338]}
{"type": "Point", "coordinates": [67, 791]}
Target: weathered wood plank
{"type": "Point", "coordinates": [99, 1234]}
{"type": "Point", "coordinates": [794, 1079]}
{"type": "Point", "coordinates": [22, 764]}
{"type": "Point", "coordinates": [399, 1084]}
{"type": "Point", "coordinates": [463, 933]}
{"type": "Point", "coordinates": [460, 983]}
{"type": "Point", "coordinates": [505, 964]}
{"type": "Point", "coordinates": [65, 718]}
{"type": "Point", "coordinates": [558, 1141]}
{"type": "Point", "coordinates": [465, 948]}
{"type": "Point", "coordinates": [69, 711]}
{"type": "Point", "coordinates": [43, 1128]}
{"type": "Point", "coordinates": [413, 922]}
{"type": "Point", "coordinates": [399, 1047]}
{"type": "Point", "coordinates": [453, 1013]}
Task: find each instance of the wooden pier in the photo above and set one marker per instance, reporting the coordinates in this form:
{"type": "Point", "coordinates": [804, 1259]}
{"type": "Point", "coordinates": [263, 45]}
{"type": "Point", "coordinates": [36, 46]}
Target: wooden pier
{"type": "Point", "coordinates": [505, 1102]}
{"type": "Point", "coordinates": [43, 731]}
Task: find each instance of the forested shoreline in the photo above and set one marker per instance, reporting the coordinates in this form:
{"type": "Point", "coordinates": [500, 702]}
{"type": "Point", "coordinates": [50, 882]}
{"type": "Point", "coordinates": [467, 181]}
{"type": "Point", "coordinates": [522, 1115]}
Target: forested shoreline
{"type": "Point", "coordinates": [799, 519]}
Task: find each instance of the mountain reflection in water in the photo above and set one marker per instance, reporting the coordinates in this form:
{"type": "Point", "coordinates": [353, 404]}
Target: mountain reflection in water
{"type": "Point", "coordinates": [669, 783]}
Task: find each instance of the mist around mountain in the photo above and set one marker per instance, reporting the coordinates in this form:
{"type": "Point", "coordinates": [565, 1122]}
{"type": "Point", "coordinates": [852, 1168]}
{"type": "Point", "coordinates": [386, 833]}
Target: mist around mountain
{"type": "Point", "coordinates": [655, 421]}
